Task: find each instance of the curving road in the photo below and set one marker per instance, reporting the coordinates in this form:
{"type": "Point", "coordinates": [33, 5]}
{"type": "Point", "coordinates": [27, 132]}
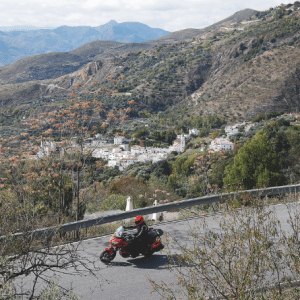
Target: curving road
{"type": "Point", "coordinates": [127, 278]}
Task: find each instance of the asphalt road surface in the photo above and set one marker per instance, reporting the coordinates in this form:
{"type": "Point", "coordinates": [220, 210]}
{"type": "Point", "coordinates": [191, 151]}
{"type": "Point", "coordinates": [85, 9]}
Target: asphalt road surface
{"type": "Point", "coordinates": [125, 278]}
{"type": "Point", "coordinates": [128, 278]}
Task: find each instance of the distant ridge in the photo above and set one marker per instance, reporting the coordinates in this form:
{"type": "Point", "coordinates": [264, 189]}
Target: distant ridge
{"type": "Point", "coordinates": [237, 17]}
{"type": "Point", "coordinates": [26, 41]}
{"type": "Point", "coordinates": [189, 33]}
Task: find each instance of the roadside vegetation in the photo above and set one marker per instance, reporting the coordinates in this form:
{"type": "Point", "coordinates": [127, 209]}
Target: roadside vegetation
{"type": "Point", "coordinates": [44, 183]}
{"type": "Point", "coordinates": [253, 254]}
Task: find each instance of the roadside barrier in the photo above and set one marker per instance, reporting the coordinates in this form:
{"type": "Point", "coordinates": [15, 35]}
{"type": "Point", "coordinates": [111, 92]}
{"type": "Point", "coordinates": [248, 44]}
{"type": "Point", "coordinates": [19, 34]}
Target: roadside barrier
{"type": "Point", "coordinates": [75, 226]}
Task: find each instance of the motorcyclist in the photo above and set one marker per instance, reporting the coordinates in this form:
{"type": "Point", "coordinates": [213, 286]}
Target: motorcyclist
{"type": "Point", "coordinates": [140, 236]}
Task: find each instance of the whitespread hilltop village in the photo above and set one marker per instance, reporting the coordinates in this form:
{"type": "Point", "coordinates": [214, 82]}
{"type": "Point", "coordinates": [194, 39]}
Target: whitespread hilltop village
{"type": "Point", "coordinates": [118, 154]}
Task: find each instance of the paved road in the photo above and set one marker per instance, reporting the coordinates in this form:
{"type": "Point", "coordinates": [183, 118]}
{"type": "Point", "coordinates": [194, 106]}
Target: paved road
{"type": "Point", "coordinates": [127, 278]}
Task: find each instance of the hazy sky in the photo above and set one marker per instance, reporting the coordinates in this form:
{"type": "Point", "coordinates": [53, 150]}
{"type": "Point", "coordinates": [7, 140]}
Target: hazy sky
{"type": "Point", "coordinates": [170, 15]}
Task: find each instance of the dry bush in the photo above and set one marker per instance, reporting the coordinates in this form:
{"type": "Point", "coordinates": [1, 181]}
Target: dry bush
{"type": "Point", "coordinates": [249, 250]}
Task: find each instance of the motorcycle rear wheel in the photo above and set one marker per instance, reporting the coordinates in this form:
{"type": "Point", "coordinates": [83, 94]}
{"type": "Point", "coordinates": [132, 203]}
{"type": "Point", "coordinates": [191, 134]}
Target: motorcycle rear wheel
{"type": "Point", "coordinates": [106, 258]}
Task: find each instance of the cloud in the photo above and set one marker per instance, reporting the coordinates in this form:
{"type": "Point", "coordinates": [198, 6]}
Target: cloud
{"type": "Point", "coordinates": [170, 15]}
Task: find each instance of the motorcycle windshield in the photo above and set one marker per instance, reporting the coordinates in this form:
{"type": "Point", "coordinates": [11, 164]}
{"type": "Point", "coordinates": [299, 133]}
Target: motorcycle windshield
{"type": "Point", "coordinates": [119, 232]}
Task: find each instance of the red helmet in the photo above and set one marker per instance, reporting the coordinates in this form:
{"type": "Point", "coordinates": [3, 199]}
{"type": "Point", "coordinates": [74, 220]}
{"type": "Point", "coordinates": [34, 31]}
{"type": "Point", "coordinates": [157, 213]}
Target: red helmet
{"type": "Point", "coordinates": [139, 220]}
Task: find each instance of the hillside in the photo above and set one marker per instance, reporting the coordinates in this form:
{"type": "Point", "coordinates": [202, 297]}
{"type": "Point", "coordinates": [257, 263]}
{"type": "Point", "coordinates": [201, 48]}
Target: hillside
{"type": "Point", "coordinates": [18, 44]}
{"type": "Point", "coordinates": [55, 64]}
{"type": "Point", "coordinates": [236, 71]}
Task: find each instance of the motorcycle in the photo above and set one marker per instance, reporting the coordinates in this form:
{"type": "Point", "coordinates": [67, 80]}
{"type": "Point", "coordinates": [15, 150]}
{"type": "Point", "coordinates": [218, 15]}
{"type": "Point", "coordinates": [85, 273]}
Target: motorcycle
{"type": "Point", "coordinates": [123, 242]}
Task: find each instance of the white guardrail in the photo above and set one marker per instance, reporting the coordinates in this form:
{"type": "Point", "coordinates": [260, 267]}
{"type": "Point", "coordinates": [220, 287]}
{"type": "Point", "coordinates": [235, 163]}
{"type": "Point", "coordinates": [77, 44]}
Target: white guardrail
{"type": "Point", "coordinates": [288, 189]}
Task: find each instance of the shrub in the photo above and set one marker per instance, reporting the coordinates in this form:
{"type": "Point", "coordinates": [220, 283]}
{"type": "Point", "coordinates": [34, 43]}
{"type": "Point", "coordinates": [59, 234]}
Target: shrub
{"type": "Point", "coordinates": [114, 202]}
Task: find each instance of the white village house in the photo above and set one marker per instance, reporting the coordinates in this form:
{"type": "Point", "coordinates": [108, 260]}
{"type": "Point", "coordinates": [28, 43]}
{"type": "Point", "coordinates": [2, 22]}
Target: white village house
{"type": "Point", "coordinates": [194, 131]}
{"type": "Point", "coordinates": [219, 144]}
{"type": "Point", "coordinates": [233, 129]}
{"type": "Point", "coordinates": [178, 144]}
{"type": "Point", "coordinates": [119, 140]}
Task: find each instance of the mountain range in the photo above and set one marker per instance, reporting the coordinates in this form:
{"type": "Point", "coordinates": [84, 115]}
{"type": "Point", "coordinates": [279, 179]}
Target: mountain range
{"type": "Point", "coordinates": [18, 44]}
{"type": "Point", "coordinates": [244, 65]}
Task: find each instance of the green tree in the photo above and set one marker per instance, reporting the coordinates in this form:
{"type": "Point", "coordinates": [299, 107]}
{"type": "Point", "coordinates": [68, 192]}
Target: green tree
{"type": "Point", "coordinates": [255, 164]}
{"type": "Point", "coordinates": [278, 138]}
{"type": "Point", "coordinates": [186, 167]}
{"type": "Point", "coordinates": [170, 136]}
{"type": "Point", "coordinates": [141, 134]}
{"type": "Point", "coordinates": [156, 135]}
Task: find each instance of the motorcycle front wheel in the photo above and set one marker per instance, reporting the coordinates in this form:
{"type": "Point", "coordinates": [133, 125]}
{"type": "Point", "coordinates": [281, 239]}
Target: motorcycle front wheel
{"type": "Point", "coordinates": [106, 258]}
